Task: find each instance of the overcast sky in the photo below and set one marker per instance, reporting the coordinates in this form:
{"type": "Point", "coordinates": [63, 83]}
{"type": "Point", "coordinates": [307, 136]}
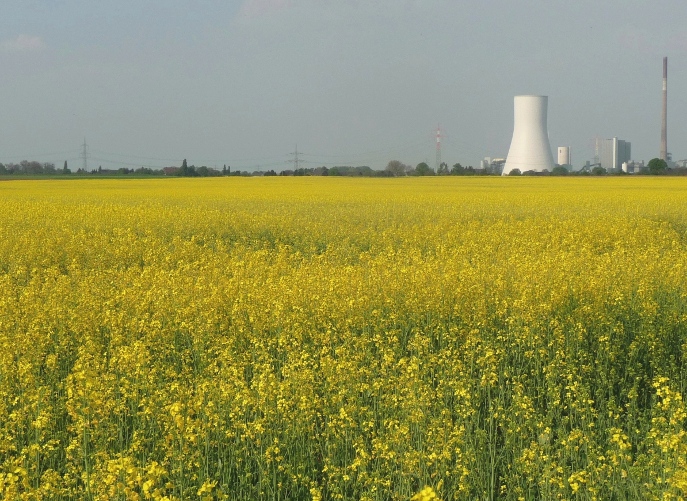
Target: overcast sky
{"type": "Point", "coordinates": [351, 82]}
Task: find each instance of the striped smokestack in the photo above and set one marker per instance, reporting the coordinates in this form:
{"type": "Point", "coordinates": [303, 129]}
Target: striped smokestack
{"type": "Point", "coordinates": [664, 114]}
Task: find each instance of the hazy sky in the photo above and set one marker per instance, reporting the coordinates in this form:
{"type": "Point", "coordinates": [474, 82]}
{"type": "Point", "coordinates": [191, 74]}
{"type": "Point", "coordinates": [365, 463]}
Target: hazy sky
{"type": "Point", "coordinates": [352, 82]}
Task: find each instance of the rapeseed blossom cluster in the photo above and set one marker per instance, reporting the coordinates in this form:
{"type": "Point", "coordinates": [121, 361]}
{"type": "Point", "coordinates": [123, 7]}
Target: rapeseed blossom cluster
{"type": "Point", "coordinates": [326, 339]}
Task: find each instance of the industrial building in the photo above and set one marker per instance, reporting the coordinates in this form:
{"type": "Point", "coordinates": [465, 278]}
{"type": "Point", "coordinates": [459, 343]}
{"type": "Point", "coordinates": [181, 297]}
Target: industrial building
{"type": "Point", "coordinates": [633, 167]}
{"type": "Point", "coordinates": [564, 155]}
{"type": "Point", "coordinates": [492, 165]}
{"type": "Point", "coordinates": [612, 153]}
{"type": "Point", "coordinates": [529, 149]}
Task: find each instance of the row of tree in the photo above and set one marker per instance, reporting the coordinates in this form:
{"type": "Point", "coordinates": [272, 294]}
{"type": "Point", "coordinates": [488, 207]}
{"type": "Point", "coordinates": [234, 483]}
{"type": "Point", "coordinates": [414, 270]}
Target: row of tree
{"type": "Point", "coordinates": [30, 168]}
{"type": "Point", "coordinates": [33, 168]}
{"type": "Point", "coordinates": [399, 169]}
{"type": "Point", "coordinates": [655, 167]}
{"type": "Point", "coordinates": [394, 168]}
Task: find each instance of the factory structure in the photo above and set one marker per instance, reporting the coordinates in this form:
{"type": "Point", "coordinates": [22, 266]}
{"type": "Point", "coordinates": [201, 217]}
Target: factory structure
{"type": "Point", "coordinates": [612, 153]}
{"type": "Point", "coordinates": [530, 149]}
{"type": "Point", "coordinates": [492, 165]}
{"type": "Point", "coordinates": [564, 155]}
{"type": "Point", "coordinates": [664, 155]}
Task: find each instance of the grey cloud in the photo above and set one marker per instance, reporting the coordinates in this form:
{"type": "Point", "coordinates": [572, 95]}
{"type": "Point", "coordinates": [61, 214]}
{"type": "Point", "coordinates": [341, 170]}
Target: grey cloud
{"type": "Point", "coordinates": [22, 43]}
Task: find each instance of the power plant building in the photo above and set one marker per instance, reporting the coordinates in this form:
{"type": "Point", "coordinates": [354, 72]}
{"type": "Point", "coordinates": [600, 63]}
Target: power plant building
{"type": "Point", "coordinates": [492, 165]}
{"type": "Point", "coordinates": [564, 155]}
{"type": "Point", "coordinates": [612, 153]}
{"type": "Point", "coordinates": [529, 149]}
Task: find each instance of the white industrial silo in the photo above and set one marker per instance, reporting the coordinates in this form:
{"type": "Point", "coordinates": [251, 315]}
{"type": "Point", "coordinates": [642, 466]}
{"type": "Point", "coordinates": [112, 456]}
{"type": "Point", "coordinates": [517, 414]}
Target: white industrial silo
{"type": "Point", "coordinates": [564, 155]}
{"type": "Point", "coordinates": [530, 148]}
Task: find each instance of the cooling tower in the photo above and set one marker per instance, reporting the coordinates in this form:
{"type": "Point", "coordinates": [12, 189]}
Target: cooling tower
{"type": "Point", "coordinates": [529, 148]}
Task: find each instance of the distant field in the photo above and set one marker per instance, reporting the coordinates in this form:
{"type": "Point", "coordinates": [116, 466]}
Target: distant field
{"type": "Point", "coordinates": [332, 338]}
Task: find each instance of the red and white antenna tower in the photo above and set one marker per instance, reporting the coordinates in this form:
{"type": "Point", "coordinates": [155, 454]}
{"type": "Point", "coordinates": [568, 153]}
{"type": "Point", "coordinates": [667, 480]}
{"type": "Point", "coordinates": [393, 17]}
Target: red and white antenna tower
{"type": "Point", "coordinates": [439, 136]}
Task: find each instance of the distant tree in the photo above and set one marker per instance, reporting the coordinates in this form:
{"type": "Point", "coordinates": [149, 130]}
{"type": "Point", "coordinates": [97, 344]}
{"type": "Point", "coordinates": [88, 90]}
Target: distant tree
{"type": "Point", "coordinates": [515, 172]}
{"type": "Point", "coordinates": [186, 171]}
{"type": "Point", "coordinates": [676, 171]}
{"type": "Point", "coordinates": [202, 171]}
{"type": "Point", "coordinates": [559, 170]}
{"type": "Point", "coordinates": [3, 170]}
{"type": "Point", "coordinates": [598, 171]}
{"type": "Point", "coordinates": [65, 169]}
{"type": "Point", "coordinates": [529, 173]}
{"type": "Point", "coordinates": [657, 166]}
{"type": "Point", "coordinates": [31, 167]}
{"type": "Point", "coordinates": [146, 171]}
{"type": "Point", "coordinates": [396, 168]}
{"type": "Point", "coordinates": [457, 170]}
{"type": "Point", "coordinates": [422, 169]}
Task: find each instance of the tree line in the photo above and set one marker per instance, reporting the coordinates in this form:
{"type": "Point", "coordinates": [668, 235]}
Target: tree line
{"type": "Point", "coordinates": [655, 167]}
{"type": "Point", "coordinates": [394, 168]}
{"type": "Point", "coordinates": [34, 168]}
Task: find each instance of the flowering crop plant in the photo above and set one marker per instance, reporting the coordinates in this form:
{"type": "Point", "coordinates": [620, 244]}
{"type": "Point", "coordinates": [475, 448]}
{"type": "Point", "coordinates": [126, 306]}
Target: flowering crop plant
{"type": "Point", "coordinates": [324, 338]}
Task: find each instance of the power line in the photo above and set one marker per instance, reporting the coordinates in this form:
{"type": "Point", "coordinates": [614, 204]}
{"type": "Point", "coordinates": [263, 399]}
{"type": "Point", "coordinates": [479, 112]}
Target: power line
{"type": "Point", "coordinates": [133, 159]}
{"type": "Point", "coordinates": [84, 155]}
{"type": "Point", "coordinates": [372, 153]}
{"type": "Point", "coordinates": [38, 155]}
{"type": "Point", "coordinates": [296, 160]}
{"type": "Point", "coordinates": [134, 156]}
{"type": "Point", "coordinates": [118, 162]}
{"type": "Point", "coordinates": [439, 137]}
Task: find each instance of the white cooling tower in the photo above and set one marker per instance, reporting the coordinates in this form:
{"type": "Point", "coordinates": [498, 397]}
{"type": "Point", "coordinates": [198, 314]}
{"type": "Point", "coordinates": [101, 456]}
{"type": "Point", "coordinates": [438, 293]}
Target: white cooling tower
{"type": "Point", "coordinates": [529, 148]}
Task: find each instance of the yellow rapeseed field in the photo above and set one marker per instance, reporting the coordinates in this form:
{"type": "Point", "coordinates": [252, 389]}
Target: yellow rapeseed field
{"type": "Point", "coordinates": [330, 338]}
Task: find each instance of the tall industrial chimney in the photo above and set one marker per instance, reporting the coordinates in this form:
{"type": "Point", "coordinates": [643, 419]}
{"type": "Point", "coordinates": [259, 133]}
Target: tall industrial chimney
{"type": "Point", "coordinates": [530, 148]}
{"type": "Point", "coordinates": [664, 114]}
